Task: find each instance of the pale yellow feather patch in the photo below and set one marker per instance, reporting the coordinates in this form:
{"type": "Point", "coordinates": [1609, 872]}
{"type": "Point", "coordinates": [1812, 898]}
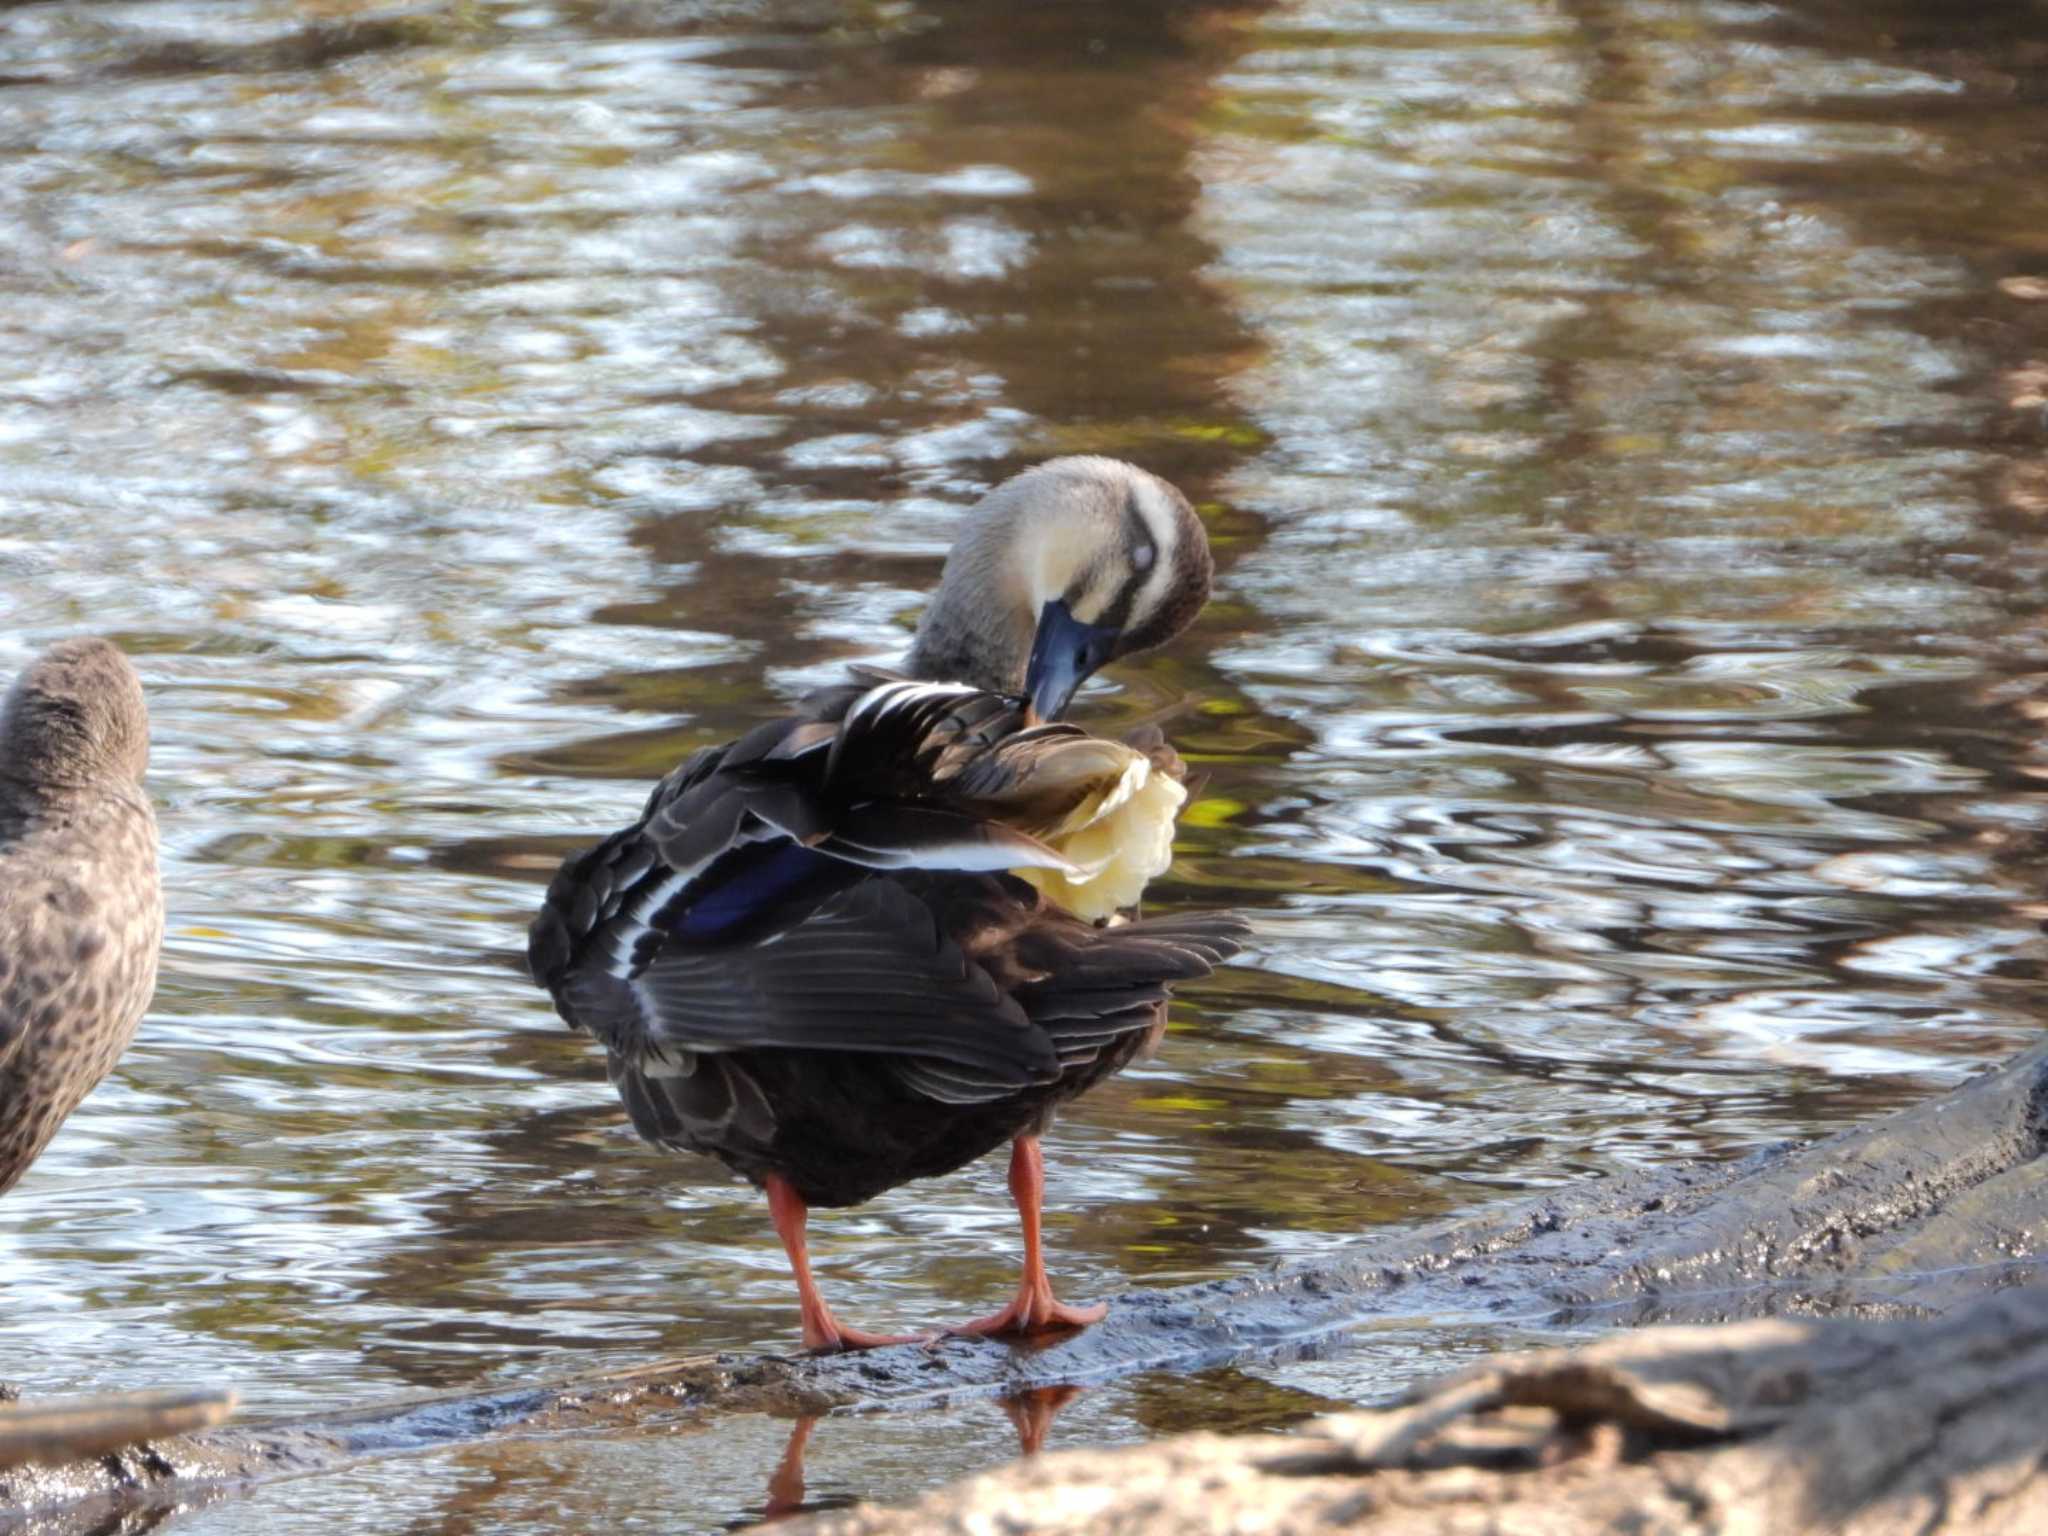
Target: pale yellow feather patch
{"type": "Point", "coordinates": [1121, 838]}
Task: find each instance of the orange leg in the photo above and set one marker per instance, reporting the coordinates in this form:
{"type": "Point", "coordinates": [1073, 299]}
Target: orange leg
{"type": "Point", "coordinates": [822, 1331]}
{"type": "Point", "coordinates": [1035, 1309]}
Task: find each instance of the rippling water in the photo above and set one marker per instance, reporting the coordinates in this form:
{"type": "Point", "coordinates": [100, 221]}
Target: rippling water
{"type": "Point", "coordinates": [1620, 424]}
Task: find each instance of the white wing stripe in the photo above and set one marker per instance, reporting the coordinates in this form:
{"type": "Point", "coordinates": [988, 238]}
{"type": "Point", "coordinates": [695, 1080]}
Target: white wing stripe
{"type": "Point", "coordinates": [889, 697]}
{"type": "Point", "coordinates": [972, 857]}
{"type": "Point", "coordinates": [622, 933]}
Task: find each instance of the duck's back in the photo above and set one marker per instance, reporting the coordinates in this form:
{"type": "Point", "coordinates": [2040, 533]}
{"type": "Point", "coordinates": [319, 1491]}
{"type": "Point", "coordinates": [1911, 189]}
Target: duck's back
{"type": "Point", "coordinates": [81, 922]}
{"type": "Point", "coordinates": [812, 955]}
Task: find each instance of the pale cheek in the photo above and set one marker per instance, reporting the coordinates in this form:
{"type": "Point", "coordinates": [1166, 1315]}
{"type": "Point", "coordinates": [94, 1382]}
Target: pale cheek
{"type": "Point", "coordinates": [1096, 600]}
{"type": "Point", "coordinates": [1054, 570]}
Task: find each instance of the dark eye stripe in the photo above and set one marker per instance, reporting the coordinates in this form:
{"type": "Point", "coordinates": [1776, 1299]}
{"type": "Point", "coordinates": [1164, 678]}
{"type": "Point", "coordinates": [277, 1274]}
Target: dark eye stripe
{"type": "Point", "coordinates": [1139, 549]}
{"type": "Point", "coordinates": [1185, 590]}
{"type": "Point", "coordinates": [1118, 613]}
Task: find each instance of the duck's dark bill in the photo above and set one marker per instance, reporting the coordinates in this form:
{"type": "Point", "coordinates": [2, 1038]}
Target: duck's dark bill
{"type": "Point", "coordinates": [1064, 654]}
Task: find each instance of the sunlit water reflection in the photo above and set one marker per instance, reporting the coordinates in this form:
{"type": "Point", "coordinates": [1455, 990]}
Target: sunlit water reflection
{"type": "Point", "coordinates": [1625, 463]}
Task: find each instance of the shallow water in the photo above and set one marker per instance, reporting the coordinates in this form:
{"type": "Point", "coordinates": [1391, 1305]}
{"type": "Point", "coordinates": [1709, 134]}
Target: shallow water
{"type": "Point", "coordinates": [1621, 428]}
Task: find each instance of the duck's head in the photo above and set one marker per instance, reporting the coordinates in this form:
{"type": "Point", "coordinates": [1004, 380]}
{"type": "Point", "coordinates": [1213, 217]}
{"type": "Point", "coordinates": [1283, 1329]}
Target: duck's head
{"type": "Point", "coordinates": [74, 719]}
{"type": "Point", "coordinates": [1058, 570]}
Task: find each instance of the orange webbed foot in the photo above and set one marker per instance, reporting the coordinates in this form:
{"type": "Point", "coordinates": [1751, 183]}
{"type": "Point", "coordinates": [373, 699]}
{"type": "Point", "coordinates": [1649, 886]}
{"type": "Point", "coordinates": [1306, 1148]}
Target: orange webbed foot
{"type": "Point", "coordinates": [836, 1338]}
{"type": "Point", "coordinates": [1032, 1313]}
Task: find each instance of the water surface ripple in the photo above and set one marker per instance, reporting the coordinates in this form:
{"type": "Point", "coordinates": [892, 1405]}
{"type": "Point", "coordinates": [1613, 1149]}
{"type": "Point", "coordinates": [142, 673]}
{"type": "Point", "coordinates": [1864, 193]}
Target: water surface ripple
{"type": "Point", "coordinates": [1620, 425]}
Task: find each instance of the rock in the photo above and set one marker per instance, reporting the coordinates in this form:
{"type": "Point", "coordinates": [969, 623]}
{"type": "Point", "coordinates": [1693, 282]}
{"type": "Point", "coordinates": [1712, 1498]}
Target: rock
{"type": "Point", "coordinates": [56, 1430]}
{"type": "Point", "coordinates": [1773, 1427]}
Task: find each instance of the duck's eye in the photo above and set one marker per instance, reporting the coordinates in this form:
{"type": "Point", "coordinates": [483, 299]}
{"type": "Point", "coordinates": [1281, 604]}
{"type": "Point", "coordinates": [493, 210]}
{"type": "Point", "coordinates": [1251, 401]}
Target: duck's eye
{"type": "Point", "coordinates": [1141, 558]}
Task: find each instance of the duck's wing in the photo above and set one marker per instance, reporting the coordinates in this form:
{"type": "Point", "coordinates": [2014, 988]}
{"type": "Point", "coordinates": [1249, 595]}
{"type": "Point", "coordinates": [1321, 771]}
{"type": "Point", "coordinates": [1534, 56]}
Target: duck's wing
{"type": "Point", "coordinates": [1085, 988]}
{"type": "Point", "coordinates": [758, 831]}
{"type": "Point", "coordinates": [869, 971]}
{"type": "Point", "coordinates": [908, 741]}
{"type": "Point", "coordinates": [593, 889]}
{"type": "Point", "coordinates": [1089, 986]}
{"type": "Point", "coordinates": [741, 913]}
{"type": "Point", "coordinates": [980, 757]}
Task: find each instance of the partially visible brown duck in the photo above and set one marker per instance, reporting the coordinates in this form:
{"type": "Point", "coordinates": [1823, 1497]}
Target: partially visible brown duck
{"type": "Point", "coordinates": [81, 914]}
{"type": "Point", "coordinates": [876, 939]}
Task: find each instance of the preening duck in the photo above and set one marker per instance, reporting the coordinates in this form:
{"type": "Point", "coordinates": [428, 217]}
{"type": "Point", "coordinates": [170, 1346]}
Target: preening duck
{"type": "Point", "coordinates": [81, 912]}
{"type": "Point", "coordinates": [878, 938]}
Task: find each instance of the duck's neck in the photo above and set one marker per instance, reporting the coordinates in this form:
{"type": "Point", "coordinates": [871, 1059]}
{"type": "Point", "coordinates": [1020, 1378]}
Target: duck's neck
{"type": "Point", "coordinates": [979, 626]}
{"type": "Point", "coordinates": [951, 651]}
{"type": "Point", "coordinates": [27, 802]}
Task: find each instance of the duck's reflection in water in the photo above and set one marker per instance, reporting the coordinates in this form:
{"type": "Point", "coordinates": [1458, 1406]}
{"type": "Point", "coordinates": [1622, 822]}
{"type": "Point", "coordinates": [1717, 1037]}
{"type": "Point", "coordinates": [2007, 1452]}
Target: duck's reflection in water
{"type": "Point", "coordinates": [1031, 1412]}
{"type": "Point", "coordinates": [786, 1485]}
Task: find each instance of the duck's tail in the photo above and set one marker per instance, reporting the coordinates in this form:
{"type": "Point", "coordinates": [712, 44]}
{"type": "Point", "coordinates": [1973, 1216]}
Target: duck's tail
{"type": "Point", "coordinates": [1090, 986]}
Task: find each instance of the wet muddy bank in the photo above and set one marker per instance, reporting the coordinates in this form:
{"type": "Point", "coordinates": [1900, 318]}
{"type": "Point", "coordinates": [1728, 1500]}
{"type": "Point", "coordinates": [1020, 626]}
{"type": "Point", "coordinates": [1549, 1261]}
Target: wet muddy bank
{"type": "Point", "coordinates": [1855, 1428]}
{"type": "Point", "coordinates": [1913, 1214]}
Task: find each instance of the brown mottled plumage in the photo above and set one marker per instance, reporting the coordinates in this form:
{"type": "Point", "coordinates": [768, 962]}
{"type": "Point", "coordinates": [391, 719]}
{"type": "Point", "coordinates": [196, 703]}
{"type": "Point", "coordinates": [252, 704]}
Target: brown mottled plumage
{"type": "Point", "coordinates": [876, 939]}
{"type": "Point", "coordinates": [81, 914]}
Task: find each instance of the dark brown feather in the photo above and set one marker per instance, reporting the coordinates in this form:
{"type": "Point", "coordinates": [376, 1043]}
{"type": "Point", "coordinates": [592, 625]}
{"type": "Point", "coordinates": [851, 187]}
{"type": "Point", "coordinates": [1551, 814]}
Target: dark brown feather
{"type": "Point", "coordinates": [807, 960]}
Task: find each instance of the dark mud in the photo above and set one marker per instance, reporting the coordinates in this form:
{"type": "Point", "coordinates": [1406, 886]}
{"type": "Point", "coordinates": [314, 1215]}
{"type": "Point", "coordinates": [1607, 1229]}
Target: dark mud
{"type": "Point", "coordinates": [1855, 1428]}
{"type": "Point", "coordinates": [1909, 1215]}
